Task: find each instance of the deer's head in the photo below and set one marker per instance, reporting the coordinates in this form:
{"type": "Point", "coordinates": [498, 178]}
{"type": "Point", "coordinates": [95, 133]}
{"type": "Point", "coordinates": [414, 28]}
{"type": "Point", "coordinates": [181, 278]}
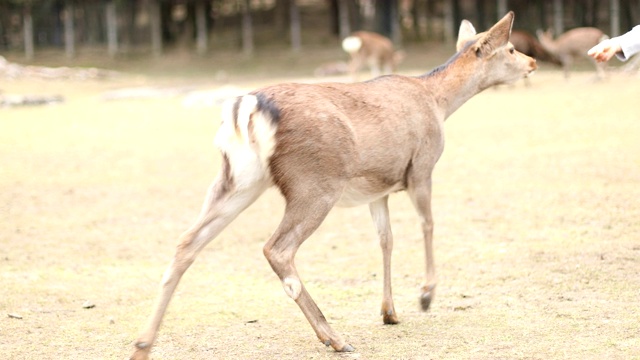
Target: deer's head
{"type": "Point", "coordinates": [490, 56]}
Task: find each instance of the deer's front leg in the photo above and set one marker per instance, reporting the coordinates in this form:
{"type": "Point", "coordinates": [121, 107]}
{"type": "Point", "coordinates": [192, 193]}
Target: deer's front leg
{"type": "Point", "coordinates": [420, 194]}
{"type": "Point", "coordinates": [380, 213]}
{"type": "Point", "coordinates": [355, 65]}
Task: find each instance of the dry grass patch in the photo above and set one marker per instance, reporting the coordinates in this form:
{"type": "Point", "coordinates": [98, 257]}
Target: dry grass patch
{"type": "Point", "coordinates": [537, 227]}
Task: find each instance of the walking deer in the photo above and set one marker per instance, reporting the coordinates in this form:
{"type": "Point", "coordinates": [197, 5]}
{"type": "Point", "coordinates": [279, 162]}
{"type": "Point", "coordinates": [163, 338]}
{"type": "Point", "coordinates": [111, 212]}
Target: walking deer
{"type": "Point", "coordinates": [573, 44]}
{"type": "Point", "coordinates": [373, 49]}
{"type": "Point", "coordinates": [337, 144]}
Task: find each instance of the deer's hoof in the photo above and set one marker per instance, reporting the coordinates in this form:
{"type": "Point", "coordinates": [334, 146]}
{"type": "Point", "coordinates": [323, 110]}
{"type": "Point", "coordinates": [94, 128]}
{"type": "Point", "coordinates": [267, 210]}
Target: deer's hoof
{"type": "Point", "coordinates": [139, 355]}
{"type": "Point", "coordinates": [427, 295]}
{"type": "Point", "coordinates": [425, 301]}
{"type": "Point", "coordinates": [141, 350]}
{"type": "Point", "coordinates": [389, 317]}
{"type": "Point", "coordinates": [344, 348]}
{"type": "Point", "coordinates": [347, 348]}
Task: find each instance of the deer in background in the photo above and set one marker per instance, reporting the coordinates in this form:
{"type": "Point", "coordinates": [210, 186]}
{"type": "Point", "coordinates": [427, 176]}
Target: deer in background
{"type": "Point", "coordinates": [573, 44]}
{"type": "Point", "coordinates": [337, 144]}
{"type": "Point", "coordinates": [527, 44]}
{"type": "Point", "coordinates": [373, 49]}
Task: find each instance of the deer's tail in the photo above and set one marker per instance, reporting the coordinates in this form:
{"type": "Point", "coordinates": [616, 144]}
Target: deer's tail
{"type": "Point", "coordinates": [246, 137]}
{"type": "Point", "coordinates": [351, 44]}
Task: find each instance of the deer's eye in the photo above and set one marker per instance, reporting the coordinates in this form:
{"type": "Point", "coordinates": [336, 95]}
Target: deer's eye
{"type": "Point", "coordinates": [512, 51]}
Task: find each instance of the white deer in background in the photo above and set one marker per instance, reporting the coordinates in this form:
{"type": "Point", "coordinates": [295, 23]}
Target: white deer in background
{"type": "Point", "coordinates": [336, 144]}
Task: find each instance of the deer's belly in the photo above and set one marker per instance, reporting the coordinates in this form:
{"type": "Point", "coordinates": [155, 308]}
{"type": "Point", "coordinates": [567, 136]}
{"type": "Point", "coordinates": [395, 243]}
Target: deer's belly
{"type": "Point", "coordinates": [355, 194]}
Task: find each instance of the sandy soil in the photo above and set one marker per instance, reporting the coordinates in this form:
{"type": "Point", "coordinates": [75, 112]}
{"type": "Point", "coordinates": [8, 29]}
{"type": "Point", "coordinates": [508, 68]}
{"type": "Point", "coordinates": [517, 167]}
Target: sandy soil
{"type": "Point", "coordinates": [536, 203]}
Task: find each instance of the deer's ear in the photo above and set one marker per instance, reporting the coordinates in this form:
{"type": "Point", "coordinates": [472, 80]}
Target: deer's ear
{"type": "Point", "coordinates": [466, 33]}
{"type": "Point", "coordinates": [495, 37]}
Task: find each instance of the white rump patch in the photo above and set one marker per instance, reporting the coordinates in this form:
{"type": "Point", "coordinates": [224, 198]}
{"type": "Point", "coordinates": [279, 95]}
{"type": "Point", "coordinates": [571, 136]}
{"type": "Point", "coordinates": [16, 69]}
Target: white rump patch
{"type": "Point", "coordinates": [351, 44]}
{"type": "Point", "coordinates": [248, 154]}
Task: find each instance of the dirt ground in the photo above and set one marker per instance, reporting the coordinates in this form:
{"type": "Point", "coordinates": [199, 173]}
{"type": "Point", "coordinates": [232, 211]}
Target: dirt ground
{"type": "Point", "coordinates": [537, 232]}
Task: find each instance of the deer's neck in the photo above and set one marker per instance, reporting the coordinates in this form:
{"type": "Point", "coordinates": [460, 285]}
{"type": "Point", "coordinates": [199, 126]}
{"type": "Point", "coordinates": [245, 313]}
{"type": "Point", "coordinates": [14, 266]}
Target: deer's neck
{"type": "Point", "coordinates": [452, 84]}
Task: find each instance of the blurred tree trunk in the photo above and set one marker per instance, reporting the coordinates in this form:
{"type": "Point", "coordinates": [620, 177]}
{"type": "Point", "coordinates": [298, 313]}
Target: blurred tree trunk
{"type": "Point", "coordinates": [69, 31]}
{"type": "Point", "coordinates": [502, 8]}
{"type": "Point", "coordinates": [430, 14]}
{"type": "Point", "coordinates": [112, 28]}
{"type": "Point", "coordinates": [582, 13]}
{"type": "Point", "coordinates": [615, 17]}
{"type": "Point", "coordinates": [4, 42]}
{"type": "Point", "coordinates": [155, 27]}
{"type": "Point", "coordinates": [420, 16]}
{"type": "Point", "coordinates": [386, 20]}
{"type": "Point", "coordinates": [558, 17]}
{"type": "Point", "coordinates": [450, 9]}
{"type": "Point", "coordinates": [355, 20]}
{"type": "Point", "coordinates": [542, 12]}
{"type": "Point", "coordinates": [91, 25]}
{"type": "Point", "coordinates": [334, 17]}
{"type": "Point", "coordinates": [280, 17]}
{"type": "Point", "coordinates": [247, 29]}
{"type": "Point", "coordinates": [181, 29]}
{"type": "Point", "coordinates": [296, 29]}
{"type": "Point", "coordinates": [201, 27]}
{"type": "Point", "coordinates": [128, 31]}
{"type": "Point", "coordinates": [480, 14]}
{"type": "Point", "coordinates": [27, 22]}
{"type": "Point", "coordinates": [382, 21]}
{"type": "Point", "coordinates": [632, 13]}
{"type": "Point", "coordinates": [590, 16]}
{"type": "Point", "coordinates": [343, 16]}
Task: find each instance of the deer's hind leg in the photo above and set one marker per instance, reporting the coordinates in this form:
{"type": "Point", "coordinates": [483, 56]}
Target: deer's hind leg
{"type": "Point", "coordinates": [601, 69]}
{"type": "Point", "coordinates": [223, 203]}
{"type": "Point", "coordinates": [307, 206]}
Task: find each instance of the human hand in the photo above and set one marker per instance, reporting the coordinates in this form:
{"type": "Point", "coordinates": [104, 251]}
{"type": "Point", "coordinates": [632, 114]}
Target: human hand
{"type": "Point", "coordinates": [604, 50]}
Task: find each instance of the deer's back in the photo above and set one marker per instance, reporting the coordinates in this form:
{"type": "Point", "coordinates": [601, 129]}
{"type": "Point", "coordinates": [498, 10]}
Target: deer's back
{"type": "Point", "coordinates": [374, 44]}
{"type": "Point", "coordinates": [579, 40]}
